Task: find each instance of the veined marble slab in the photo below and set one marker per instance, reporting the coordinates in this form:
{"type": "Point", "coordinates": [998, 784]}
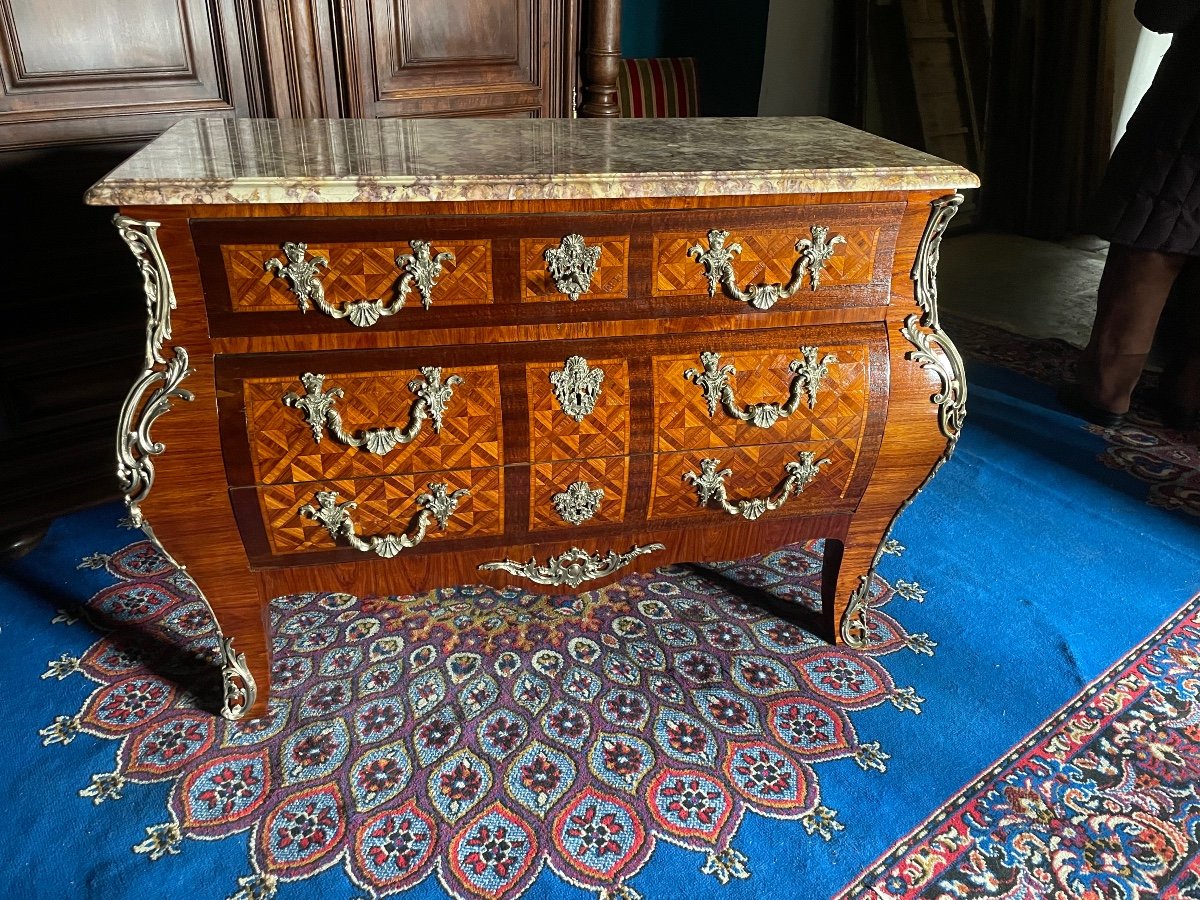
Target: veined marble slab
{"type": "Point", "coordinates": [208, 161]}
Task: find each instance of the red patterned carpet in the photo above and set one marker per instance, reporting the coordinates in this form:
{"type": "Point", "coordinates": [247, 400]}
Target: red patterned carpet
{"type": "Point", "coordinates": [483, 735]}
{"type": "Point", "coordinates": [1100, 803]}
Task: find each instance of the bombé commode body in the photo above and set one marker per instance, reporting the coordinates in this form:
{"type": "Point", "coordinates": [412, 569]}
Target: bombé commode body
{"type": "Point", "coordinates": [388, 356]}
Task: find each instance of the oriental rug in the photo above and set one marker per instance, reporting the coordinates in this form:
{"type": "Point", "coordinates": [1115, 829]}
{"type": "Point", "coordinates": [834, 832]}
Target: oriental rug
{"type": "Point", "coordinates": [1099, 802]}
{"type": "Point", "coordinates": [480, 737]}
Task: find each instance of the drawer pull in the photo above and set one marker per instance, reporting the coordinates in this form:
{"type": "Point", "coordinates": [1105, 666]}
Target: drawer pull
{"type": "Point", "coordinates": [317, 406]}
{"type": "Point", "coordinates": [577, 387]}
{"type": "Point", "coordinates": [573, 567]}
{"type": "Point", "coordinates": [717, 259]}
{"type": "Point", "coordinates": [710, 485]}
{"type": "Point", "coordinates": [578, 503]}
{"type": "Point", "coordinates": [572, 264]}
{"type": "Point", "coordinates": [421, 267]}
{"type": "Point", "coordinates": [438, 504]}
{"type": "Point", "coordinates": [714, 381]}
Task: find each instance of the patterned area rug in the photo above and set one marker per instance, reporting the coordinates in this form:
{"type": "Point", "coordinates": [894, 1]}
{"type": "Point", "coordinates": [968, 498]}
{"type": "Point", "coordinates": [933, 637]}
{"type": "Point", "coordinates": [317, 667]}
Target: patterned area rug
{"type": "Point", "coordinates": [1100, 802]}
{"type": "Point", "coordinates": [1165, 458]}
{"type": "Point", "coordinates": [481, 735]}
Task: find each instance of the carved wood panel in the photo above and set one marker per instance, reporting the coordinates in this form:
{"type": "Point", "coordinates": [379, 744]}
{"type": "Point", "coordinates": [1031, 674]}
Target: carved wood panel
{"type": "Point", "coordinates": [103, 68]}
{"type": "Point", "coordinates": [283, 450]}
{"type": "Point", "coordinates": [767, 256]}
{"type": "Point", "coordinates": [459, 57]}
{"type": "Point", "coordinates": [385, 505]}
{"type": "Point", "coordinates": [553, 434]}
{"type": "Point", "coordinates": [609, 282]}
{"type": "Point", "coordinates": [608, 474]}
{"type": "Point", "coordinates": [356, 272]}
{"type": "Point", "coordinates": [682, 420]}
{"type": "Point", "coordinates": [755, 472]}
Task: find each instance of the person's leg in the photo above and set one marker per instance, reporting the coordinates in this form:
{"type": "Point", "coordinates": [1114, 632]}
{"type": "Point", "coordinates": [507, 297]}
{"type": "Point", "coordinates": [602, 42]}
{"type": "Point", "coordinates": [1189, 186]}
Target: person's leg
{"type": "Point", "coordinates": [1133, 290]}
{"type": "Point", "coordinates": [1179, 334]}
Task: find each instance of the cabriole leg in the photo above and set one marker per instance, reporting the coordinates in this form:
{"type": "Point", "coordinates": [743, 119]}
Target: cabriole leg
{"type": "Point", "coordinates": [156, 389]}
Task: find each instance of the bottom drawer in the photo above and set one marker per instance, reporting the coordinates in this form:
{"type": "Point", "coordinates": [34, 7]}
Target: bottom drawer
{"type": "Point", "coordinates": [790, 478]}
{"type": "Point", "coordinates": [383, 516]}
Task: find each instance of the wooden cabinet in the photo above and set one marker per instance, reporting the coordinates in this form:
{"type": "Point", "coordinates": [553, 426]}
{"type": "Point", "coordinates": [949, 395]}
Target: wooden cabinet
{"type": "Point", "coordinates": [82, 71]}
{"type": "Point", "coordinates": [510, 354]}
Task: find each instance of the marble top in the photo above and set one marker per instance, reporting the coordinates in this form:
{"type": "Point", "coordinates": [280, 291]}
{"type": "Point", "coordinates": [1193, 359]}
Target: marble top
{"type": "Point", "coordinates": [364, 160]}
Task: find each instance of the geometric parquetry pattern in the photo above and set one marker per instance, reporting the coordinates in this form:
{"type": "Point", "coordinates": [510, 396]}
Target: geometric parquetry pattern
{"type": "Point", "coordinates": [386, 505]}
{"type": "Point", "coordinates": [607, 473]}
{"type": "Point", "coordinates": [357, 272]}
{"type": "Point", "coordinates": [486, 738]}
{"type": "Point", "coordinates": [610, 281]}
{"type": "Point", "coordinates": [761, 376]}
{"type": "Point", "coordinates": [283, 449]}
{"type": "Point", "coordinates": [756, 472]}
{"type": "Point", "coordinates": [603, 432]}
{"type": "Point", "coordinates": [768, 255]}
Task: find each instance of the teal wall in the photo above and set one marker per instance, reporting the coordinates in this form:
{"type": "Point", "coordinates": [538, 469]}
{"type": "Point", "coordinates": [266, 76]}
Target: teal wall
{"type": "Point", "coordinates": [641, 28]}
{"type": "Point", "coordinates": [727, 38]}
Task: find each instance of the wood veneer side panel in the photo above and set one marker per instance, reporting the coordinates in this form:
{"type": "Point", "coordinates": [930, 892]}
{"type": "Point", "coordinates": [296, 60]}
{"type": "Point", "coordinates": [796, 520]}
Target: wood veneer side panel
{"type": "Point", "coordinates": [913, 442]}
{"type": "Point", "coordinates": [736, 323]}
{"type": "Point", "coordinates": [189, 506]}
{"type": "Point", "coordinates": [514, 411]}
{"type": "Point", "coordinates": [641, 440]}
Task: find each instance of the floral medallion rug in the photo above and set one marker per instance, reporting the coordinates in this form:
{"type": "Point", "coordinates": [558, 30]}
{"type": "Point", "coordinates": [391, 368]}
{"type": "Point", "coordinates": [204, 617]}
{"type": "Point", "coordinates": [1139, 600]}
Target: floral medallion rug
{"type": "Point", "coordinates": [1100, 802]}
{"type": "Point", "coordinates": [482, 736]}
{"type": "Point", "coordinates": [1165, 458]}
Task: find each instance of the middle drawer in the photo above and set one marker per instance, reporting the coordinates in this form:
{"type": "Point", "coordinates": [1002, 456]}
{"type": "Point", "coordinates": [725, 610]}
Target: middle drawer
{"type": "Point", "coordinates": [552, 436]}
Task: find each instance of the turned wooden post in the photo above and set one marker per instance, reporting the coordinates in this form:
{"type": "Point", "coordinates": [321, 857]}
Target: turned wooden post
{"type": "Point", "coordinates": [601, 60]}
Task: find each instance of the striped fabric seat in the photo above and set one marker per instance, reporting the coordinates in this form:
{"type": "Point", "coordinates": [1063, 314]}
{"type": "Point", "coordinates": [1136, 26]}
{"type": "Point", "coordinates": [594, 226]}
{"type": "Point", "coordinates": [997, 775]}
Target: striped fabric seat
{"type": "Point", "coordinates": [657, 88]}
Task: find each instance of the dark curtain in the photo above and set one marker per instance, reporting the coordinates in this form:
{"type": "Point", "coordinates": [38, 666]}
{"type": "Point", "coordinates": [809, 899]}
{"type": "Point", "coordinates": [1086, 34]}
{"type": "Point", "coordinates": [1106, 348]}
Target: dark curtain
{"type": "Point", "coordinates": [1049, 116]}
{"type": "Point", "coordinates": [728, 42]}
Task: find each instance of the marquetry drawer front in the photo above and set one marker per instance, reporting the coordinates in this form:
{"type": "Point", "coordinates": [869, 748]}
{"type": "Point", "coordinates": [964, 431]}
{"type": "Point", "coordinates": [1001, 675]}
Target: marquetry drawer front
{"type": "Point", "coordinates": [729, 397]}
{"type": "Point", "coordinates": [307, 427]}
{"type": "Point", "coordinates": [749, 474]}
{"type": "Point", "coordinates": [818, 256]}
{"type": "Point", "coordinates": [578, 408]}
{"type": "Point", "coordinates": [305, 518]}
{"type": "Point", "coordinates": [601, 265]}
{"type": "Point", "coordinates": [290, 275]}
{"type": "Point", "coordinates": [578, 493]}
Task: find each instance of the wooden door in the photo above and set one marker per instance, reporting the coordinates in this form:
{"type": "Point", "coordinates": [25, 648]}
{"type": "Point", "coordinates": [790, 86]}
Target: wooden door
{"type": "Point", "coordinates": [459, 57]}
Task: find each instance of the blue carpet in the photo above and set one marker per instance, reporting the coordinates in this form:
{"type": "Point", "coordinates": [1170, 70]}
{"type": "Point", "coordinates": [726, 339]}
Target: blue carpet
{"type": "Point", "coordinates": [1031, 566]}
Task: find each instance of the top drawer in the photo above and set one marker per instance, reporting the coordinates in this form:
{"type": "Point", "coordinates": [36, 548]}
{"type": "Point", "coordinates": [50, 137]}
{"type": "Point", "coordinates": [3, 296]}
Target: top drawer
{"type": "Point", "coordinates": [329, 274]}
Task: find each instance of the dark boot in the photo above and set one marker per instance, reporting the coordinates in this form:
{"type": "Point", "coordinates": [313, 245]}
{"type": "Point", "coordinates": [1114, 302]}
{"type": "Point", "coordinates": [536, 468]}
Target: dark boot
{"type": "Point", "coordinates": [1178, 397]}
{"type": "Point", "coordinates": [1132, 293]}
